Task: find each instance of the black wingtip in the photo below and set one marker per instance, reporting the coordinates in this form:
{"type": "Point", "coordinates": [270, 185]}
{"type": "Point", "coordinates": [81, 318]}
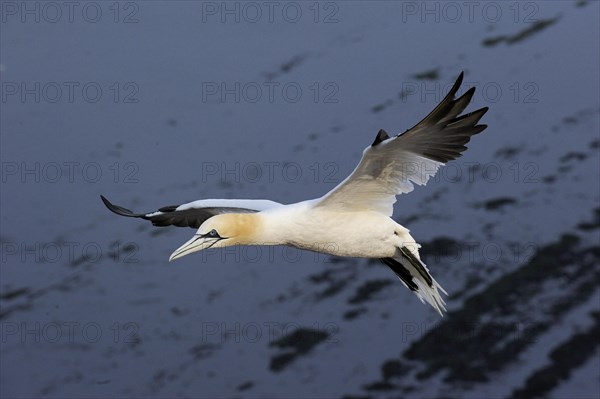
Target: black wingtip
{"type": "Point", "coordinates": [119, 210]}
{"type": "Point", "coordinates": [469, 93]}
{"type": "Point", "coordinates": [106, 202]}
{"type": "Point", "coordinates": [452, 93]}
{"type": "Point", "coordinates": [381, 136]}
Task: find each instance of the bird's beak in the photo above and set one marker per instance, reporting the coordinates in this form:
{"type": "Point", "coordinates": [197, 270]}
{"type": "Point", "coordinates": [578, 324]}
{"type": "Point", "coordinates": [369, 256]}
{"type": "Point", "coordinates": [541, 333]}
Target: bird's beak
{"type": "Point", "coordinates": [197, 243]}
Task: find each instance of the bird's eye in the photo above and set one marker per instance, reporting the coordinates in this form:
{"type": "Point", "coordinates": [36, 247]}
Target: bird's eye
{"type": "Point", "coordinates": [213, 233]}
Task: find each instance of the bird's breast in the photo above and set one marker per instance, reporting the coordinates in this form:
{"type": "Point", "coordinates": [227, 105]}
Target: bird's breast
{"type": "Point", "coordinates": [353, 234]}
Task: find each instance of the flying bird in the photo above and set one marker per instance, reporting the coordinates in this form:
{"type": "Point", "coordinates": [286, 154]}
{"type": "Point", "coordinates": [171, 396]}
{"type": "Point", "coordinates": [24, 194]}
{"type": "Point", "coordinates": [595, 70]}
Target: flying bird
{"type": "Point", "coordinates": [353, 219]}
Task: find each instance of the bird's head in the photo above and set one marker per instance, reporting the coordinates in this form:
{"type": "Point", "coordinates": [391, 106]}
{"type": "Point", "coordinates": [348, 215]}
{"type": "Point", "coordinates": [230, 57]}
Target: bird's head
{"type": "Point", "coordinates": [222, 231]}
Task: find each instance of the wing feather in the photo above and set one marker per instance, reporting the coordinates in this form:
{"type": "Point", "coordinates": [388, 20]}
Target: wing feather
{"type": "Point", "coordinates": [391, 166]}
{"type": "Point", "coordinates": [195, 213]}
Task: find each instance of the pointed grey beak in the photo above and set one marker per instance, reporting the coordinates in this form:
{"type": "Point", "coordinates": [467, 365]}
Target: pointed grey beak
{"type": "Point", "coordinates": [196, 243]}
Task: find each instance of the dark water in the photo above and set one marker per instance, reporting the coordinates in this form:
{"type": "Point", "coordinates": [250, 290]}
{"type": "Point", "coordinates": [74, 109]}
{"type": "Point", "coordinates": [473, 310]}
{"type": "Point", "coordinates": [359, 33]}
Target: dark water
{"type": "Point", "coordinates": [158, 103]}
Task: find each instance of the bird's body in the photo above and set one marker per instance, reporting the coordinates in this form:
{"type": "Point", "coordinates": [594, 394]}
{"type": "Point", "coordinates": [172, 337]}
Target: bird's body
{"type": "Point", "coordinates": [354, 234]}
{"type": "Point", "coordinates": [353, 219]}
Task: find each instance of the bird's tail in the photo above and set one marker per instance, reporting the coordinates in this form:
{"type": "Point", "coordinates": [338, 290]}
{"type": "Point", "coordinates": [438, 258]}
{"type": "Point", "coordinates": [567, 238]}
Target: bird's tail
{"type": "Point", "coordinates": [414, 275]}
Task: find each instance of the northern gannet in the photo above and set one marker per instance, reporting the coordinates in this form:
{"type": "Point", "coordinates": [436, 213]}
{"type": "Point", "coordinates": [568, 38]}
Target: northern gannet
{"type": "Point", "coordinates": [353, 219]}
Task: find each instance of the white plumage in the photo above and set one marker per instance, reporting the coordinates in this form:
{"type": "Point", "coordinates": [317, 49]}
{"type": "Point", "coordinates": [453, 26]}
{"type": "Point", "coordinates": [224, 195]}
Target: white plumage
{"type": "Point", "coordinates": [353, 219]}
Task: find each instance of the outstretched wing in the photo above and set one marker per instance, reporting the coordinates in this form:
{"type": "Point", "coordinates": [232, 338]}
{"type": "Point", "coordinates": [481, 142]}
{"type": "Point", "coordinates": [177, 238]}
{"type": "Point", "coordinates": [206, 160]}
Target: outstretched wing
{"type": "Point", "coordinates": [193, 214]}
{"type": "Point", "coordinates": [390, 166]}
